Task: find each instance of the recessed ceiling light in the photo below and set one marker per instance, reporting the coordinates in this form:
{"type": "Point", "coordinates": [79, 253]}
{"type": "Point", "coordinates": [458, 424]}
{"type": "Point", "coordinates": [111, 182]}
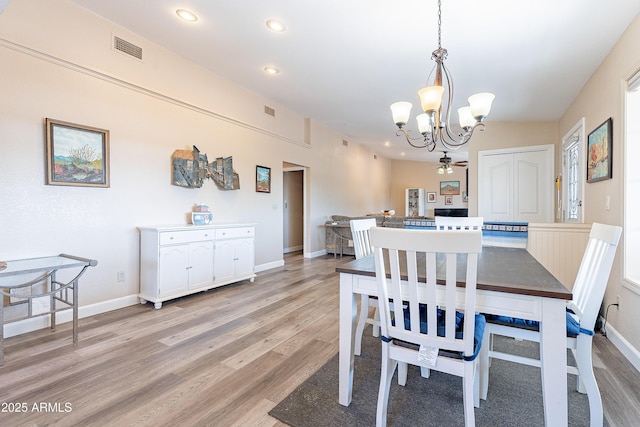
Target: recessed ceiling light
{"type": "Point", "coordinates": [271, 70]}
{"type": "Point", "coordinates": [387, 144]}
{"type": "Point", "coordinates": [186, 15]}
{"type": "Point", "coordinates": [275, 25]}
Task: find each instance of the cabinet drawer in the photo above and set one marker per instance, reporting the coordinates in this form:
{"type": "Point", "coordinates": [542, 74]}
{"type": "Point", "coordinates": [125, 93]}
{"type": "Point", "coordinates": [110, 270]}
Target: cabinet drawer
{"type": "Point", "coordinates": [177, 237]}
{"type": "Point", "coordinates": [234, 233]}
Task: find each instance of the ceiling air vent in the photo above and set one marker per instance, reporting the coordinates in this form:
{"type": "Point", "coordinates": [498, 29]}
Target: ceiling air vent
{"type": "Point", "coordinates": [270, 111]}
{"type": "Point", "coordinates": [127, 47]}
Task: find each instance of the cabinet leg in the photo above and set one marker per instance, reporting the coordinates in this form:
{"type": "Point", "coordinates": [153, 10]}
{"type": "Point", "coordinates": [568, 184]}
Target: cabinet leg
{"type": "Point", "coordinates": [253, 279]}
{"type": "Point", "coordinates": [157, 305]}
{"type": "Point", "coordinates": [143, 301]}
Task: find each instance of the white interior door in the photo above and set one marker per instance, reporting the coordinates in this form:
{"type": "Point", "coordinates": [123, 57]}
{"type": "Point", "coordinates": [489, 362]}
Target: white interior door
{"type": "Point", "coordinates": [495, 193]}
{"type": "Point", "coordinates": [516, 185]}
{"type": "Point", "coordinates": [533, 195]}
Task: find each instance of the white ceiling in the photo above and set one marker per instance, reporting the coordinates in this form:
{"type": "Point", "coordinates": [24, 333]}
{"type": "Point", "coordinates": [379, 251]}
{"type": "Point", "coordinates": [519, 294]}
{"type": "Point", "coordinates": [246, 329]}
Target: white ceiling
{"type": "Point", "coordinates": [343, 62]}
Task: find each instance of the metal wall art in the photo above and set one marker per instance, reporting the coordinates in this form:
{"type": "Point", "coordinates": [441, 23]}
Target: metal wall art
{"type": "Point", "coordinates": [191, 168]}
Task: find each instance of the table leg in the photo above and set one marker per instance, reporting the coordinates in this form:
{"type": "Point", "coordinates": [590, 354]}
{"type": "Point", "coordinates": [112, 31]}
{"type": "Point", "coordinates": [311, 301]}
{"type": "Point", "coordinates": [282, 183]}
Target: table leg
{"type": "Point", "coordinates": [52, 301]}
{"type": "Point", "coordinates": [553, 356]}
{"type": "Point", "coordinates": [75, 312]}
{"type": "Point", "coordinates": [348, 315]}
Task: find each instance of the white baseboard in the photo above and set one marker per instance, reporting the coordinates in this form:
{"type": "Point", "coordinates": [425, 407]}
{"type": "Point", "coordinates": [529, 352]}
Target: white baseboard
{"type": "Point", "coordinates": [268, 266]}
{"type": "Point", "coordinates": [624, 346]}
{"type": "Point", "coordinates": [293, 249]}
{"type": "Point", "coordinates": [35, 323]}
{"type": "Point", "coordinates": [315, 254]}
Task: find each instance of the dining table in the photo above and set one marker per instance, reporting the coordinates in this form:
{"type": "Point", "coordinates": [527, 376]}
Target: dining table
{"type": "Point", "coordinates": [510, 282]}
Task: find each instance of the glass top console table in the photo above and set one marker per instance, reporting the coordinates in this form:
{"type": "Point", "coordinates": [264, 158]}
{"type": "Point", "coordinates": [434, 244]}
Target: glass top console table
{"type": "Point", "coordinates": [32, 287]}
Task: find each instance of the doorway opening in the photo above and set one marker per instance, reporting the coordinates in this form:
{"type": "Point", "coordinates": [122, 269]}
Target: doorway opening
{"type": "Point", "coordinates": [294, 207]}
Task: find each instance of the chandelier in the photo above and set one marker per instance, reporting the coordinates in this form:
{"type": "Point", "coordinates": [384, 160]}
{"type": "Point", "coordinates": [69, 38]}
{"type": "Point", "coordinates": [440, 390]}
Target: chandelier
{"type": "Point", "coordinates": [432, 124]}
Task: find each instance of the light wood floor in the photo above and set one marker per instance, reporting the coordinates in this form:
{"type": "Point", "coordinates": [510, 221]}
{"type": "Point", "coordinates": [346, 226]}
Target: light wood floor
{"type": "Point", "coordinates": [223, 357]}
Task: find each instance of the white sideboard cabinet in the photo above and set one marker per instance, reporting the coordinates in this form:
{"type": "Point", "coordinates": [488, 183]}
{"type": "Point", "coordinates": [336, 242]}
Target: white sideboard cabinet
{"type": "Point", "coordinates": [179, 260]}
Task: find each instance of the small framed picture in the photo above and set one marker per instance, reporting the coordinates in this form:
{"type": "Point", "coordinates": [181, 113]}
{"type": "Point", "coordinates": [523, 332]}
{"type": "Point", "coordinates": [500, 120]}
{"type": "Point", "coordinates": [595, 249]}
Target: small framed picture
{"type": "Point", "coordinates": [263, 179]}
{"type": "Point", "coordinates": [76, 155]}
{"type": "Point", "coordinates": [448, 200]}
{"type": "Point", "coordinates": [599, 147]}
{"type": "Point", "coordinates": [432, 197]}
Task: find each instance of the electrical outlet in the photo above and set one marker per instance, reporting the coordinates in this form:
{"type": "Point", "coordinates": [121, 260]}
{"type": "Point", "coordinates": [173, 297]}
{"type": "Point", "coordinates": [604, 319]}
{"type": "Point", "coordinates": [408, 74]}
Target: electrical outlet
{"type": "Point", "coordinates": [120, 276]}
{"type": "Point", "coordinates": [618, 302]}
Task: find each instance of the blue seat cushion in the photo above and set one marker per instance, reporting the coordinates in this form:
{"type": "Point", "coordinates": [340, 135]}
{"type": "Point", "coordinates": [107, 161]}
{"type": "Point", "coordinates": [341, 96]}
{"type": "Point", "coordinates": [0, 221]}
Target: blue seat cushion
{"type": "Point", "coordinates": [573, 326]}
{"type": "Point", "coordinates": [480, 323]}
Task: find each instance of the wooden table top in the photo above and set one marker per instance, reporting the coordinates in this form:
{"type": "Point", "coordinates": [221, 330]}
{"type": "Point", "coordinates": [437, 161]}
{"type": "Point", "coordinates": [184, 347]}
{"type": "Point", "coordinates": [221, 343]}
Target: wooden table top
{"type": "Point", "coordinates": [500, 269]}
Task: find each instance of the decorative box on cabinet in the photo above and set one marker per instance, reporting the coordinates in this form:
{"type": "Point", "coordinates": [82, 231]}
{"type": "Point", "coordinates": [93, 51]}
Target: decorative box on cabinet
{"type": "Point", "coordinates": [180, 260]}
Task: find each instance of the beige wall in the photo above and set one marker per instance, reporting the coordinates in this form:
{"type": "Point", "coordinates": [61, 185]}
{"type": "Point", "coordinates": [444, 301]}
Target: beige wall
{"type": "Point", "coordinates": [603, 97]}
{"type": "Point", "coordinates": [56, 62]}
{"type": "Point", "coordinates": [412, 174]}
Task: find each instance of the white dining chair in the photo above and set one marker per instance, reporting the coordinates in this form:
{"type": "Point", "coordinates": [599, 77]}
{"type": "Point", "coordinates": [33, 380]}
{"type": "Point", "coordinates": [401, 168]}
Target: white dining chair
{"type": "Point", "coordinates": [362, 247]}
{"type": "Point", "coordinates": [582, 312]}
{"type": "Point", "coordinates": [459, 223]}
{"type": "Point", "coordinates": [429, 330]}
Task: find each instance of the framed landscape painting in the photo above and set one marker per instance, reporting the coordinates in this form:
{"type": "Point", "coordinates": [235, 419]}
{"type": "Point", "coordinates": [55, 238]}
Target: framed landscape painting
{"type": "Point", "coordinates": [449, 188]}
{"type": "Point", "coordinates": [599, 158]}
{"type": "Point", "coordinates": [263, 179]}
{"type": "Point", "coordinates": [76, 155]}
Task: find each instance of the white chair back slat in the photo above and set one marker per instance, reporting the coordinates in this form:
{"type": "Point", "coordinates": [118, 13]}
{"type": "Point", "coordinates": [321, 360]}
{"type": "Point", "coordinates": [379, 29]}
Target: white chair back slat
{"type": "Point", "coordinates": [459, 223]}
{"type": "Point", "coordinates": [361, 237]}
{"type": "Point", "coordinates": [432, 288]}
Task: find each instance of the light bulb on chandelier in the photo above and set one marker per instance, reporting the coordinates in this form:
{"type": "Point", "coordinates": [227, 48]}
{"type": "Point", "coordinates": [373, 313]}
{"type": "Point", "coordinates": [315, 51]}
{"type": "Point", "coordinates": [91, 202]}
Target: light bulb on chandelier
{"type": "Point", "coordinates": [430, 124]}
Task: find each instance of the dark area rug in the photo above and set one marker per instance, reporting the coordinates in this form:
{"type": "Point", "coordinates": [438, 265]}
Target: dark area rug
{"type": "Point", "coordinates": [514, 398]}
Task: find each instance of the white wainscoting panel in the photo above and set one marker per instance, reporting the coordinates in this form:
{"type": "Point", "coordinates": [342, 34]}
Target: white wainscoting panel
{"type": "Point", "coordinates": [559, 247]}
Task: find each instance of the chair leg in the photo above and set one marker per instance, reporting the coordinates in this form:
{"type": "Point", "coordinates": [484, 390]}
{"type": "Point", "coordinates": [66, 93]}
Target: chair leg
{"type": "Point", "coordinates": [425, 372]}
{"type": "Point", "coordinates": [585, 368]}
{"type": "Point", "coordinates": [376, 324]}
{"type": "Point", "coordinates": [483, 364]}
{"type": "Point", "coordinates": [403, 370]}
{"type": "Point", "coordinates": [386, 374]}
{"type": "Point", "coordinates": [362, 322]}
{"type": "Point", "coordinates": [467, 395]}
{"type": "Point", "coordinates": [476, 384]}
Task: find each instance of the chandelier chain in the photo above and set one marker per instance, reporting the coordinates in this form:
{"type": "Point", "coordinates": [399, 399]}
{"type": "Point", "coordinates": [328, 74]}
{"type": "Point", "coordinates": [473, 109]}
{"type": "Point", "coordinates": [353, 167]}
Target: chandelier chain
{"type": "Point", "coordinates": [439, 24]}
